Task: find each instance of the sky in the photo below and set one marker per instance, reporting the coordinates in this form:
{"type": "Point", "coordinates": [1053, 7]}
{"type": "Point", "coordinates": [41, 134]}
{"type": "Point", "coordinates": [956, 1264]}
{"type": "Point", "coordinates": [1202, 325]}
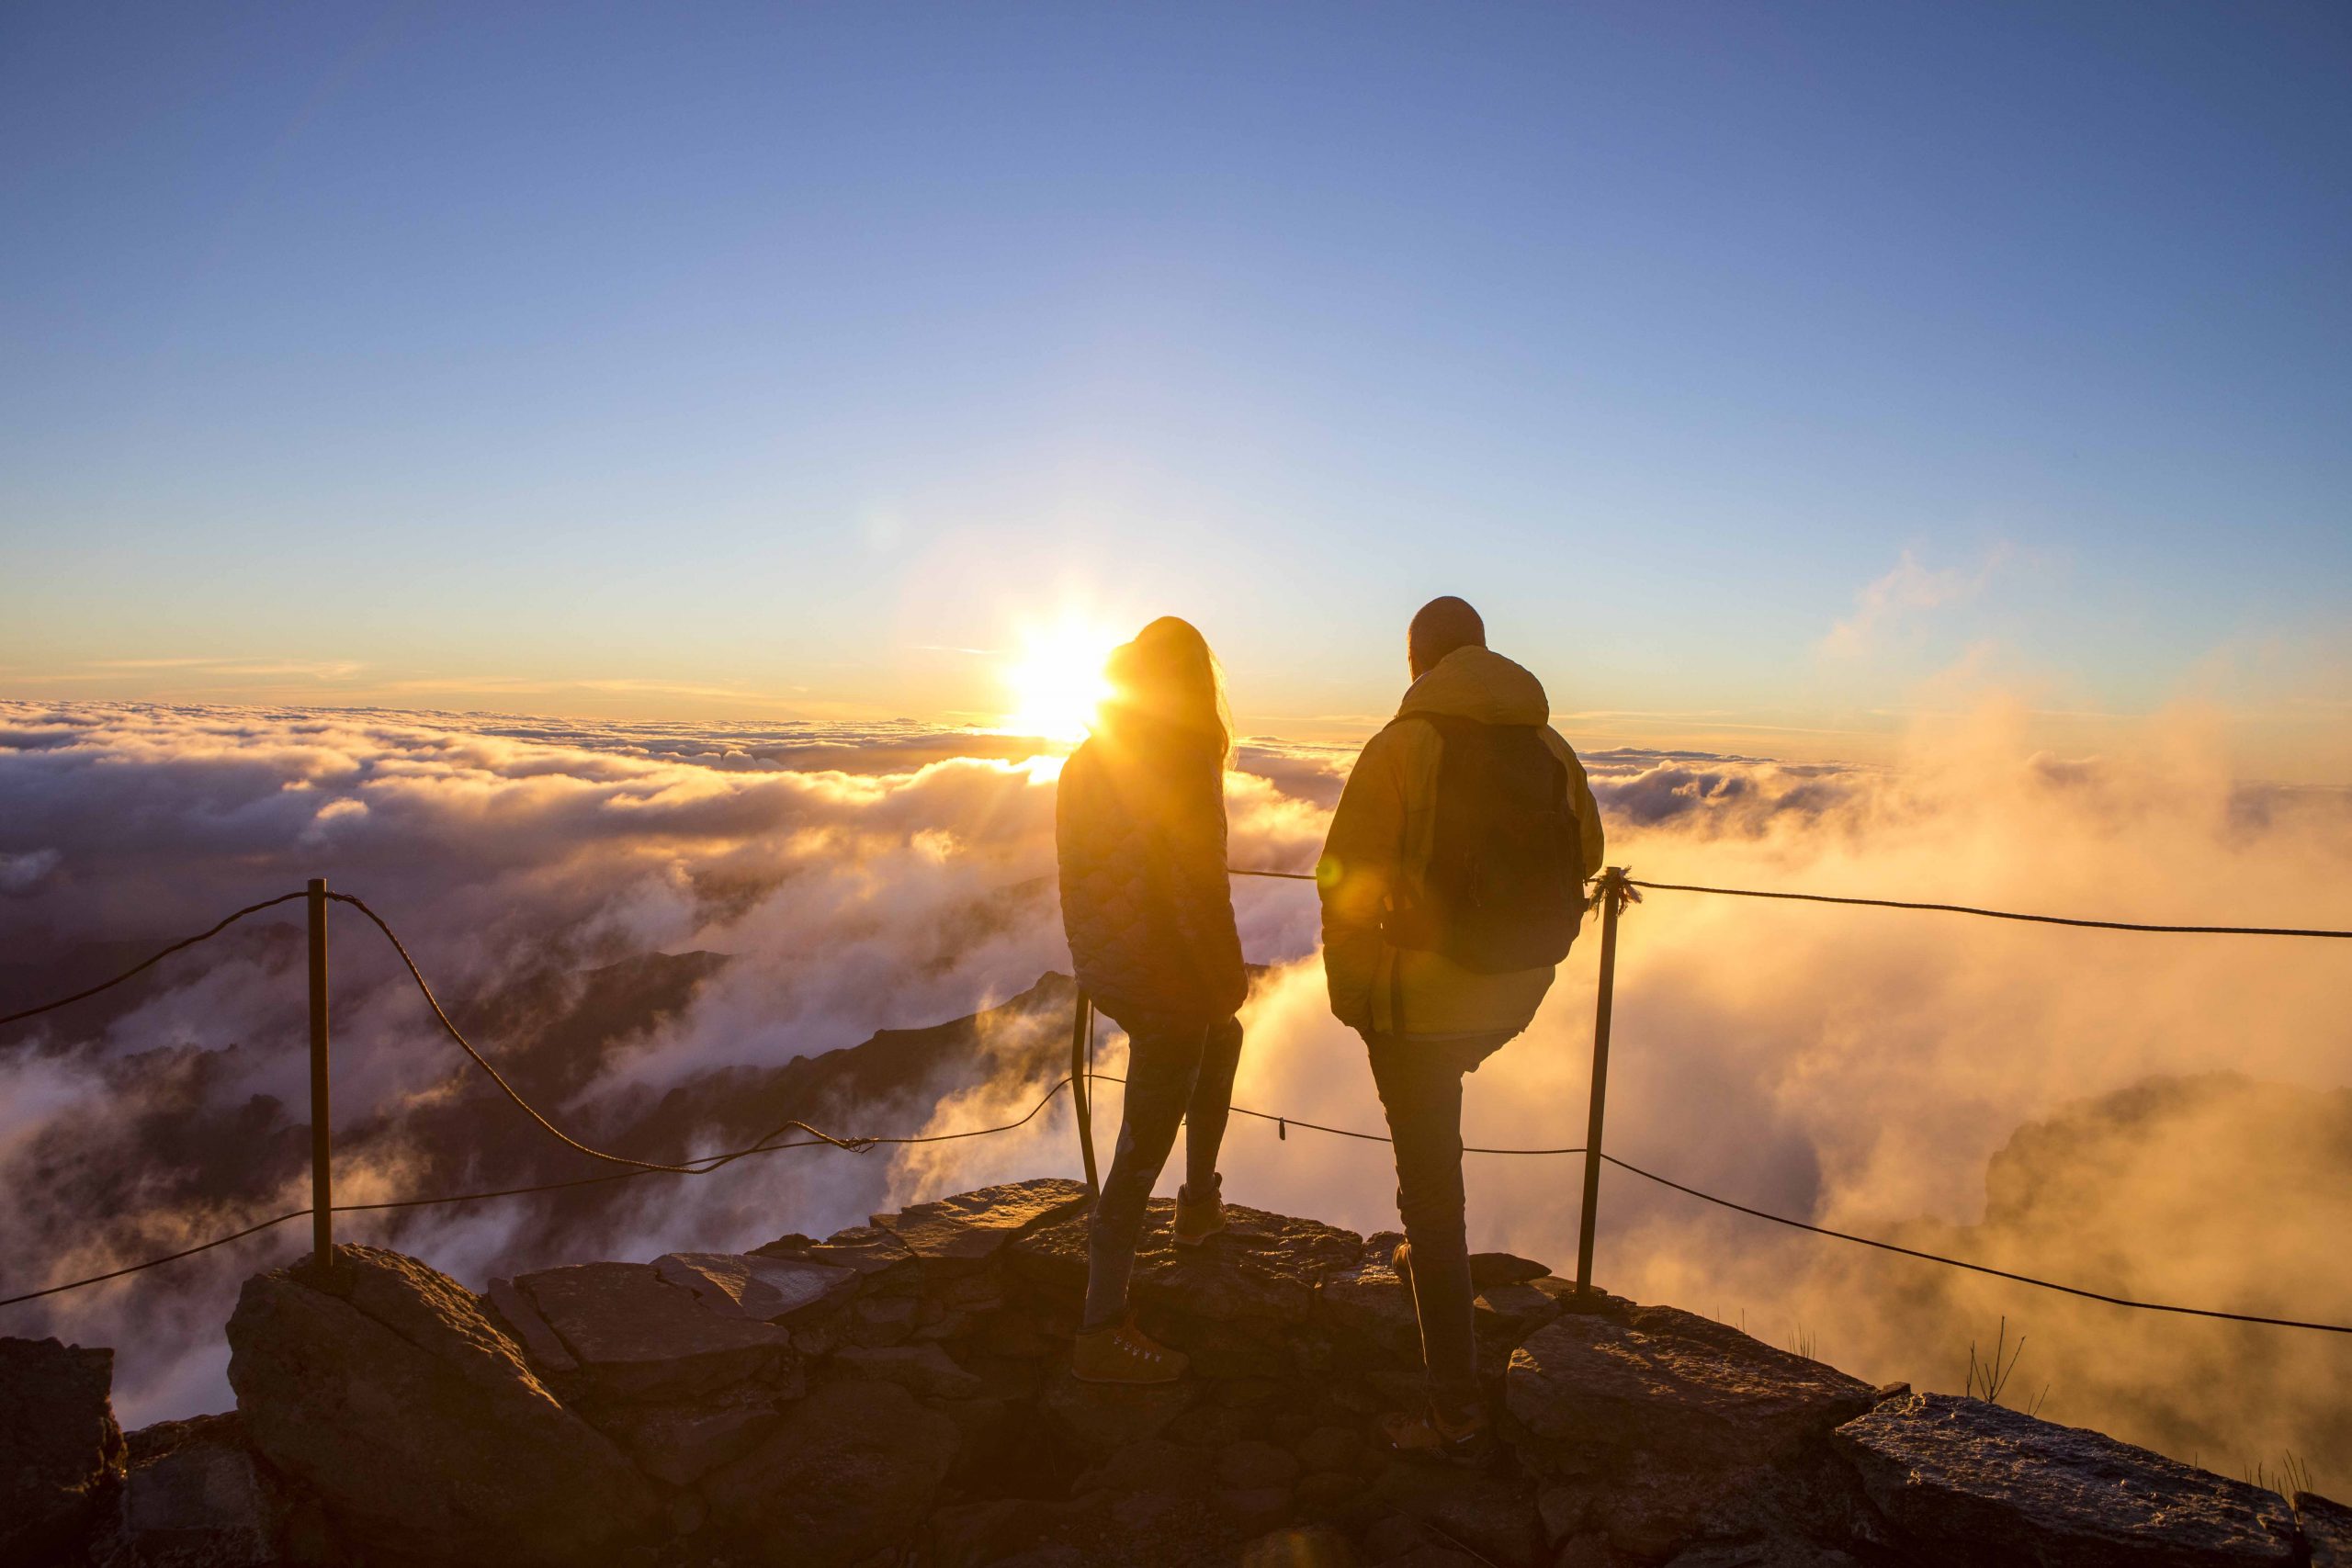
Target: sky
{"type": "Point", "coordinates": [1768, 375]}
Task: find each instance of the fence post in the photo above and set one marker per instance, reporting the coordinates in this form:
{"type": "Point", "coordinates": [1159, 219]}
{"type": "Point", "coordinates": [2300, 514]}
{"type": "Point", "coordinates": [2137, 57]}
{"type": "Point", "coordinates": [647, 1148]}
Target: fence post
{"type": "Point", "coordinates": [1081, 1090]}
{"type": "Point", "coordinates": [1612, 896]}
{"type": "Point", "coordinates": [322, 1186]}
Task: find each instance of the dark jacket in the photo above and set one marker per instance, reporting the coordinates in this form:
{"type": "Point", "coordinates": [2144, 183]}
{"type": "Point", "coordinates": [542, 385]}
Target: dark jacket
{"type": "Point", "coordinates": [1380, 839]}
{"type": "Point", "coordinates": [1140, 828]}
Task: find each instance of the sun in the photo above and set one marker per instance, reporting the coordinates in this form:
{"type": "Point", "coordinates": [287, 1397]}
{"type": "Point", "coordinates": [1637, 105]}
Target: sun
{"type": "Point", "coordinates": [1056, 680]}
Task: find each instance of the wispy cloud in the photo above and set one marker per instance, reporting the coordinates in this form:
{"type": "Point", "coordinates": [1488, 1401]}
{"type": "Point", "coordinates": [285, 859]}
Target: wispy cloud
{"type": "Point", "coordinates": [1883, 607]}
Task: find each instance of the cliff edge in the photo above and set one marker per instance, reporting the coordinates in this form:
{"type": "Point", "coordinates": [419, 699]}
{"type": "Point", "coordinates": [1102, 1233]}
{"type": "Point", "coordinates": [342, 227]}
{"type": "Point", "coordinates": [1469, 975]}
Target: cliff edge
{"type": "Point", "coordinates": [898, 1393]}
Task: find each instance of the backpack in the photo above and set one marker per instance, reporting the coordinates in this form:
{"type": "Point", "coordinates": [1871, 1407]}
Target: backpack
{"type": "Point", "coordinates": [1504, 885]}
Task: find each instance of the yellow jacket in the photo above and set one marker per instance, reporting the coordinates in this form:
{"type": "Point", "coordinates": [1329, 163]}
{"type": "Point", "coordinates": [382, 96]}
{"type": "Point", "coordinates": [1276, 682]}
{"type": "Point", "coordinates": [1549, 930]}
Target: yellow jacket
{"type": "Point", "coordinates": [1380, 839]}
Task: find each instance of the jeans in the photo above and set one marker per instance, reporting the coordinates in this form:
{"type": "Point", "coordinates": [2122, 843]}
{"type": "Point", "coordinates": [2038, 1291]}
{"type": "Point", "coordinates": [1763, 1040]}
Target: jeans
{"type": "Point", "coordinates": [1175, 1073]}
{"type": "Point", "coordinates": [1420, 1087]}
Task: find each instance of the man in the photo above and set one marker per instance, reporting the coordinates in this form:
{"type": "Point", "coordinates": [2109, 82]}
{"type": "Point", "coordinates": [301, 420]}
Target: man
{"type": "Point", "coordinates": [1451, 883]}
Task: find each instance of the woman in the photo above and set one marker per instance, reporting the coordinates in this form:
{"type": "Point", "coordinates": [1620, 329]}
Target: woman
{"type": "Point", "coordinates": [1139, 822]}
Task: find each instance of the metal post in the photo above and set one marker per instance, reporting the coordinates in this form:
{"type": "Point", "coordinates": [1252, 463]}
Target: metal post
{"type": "Point", "coordinates": [1612, 895]}
{"type": "Point", "coordinates": [321, 1187]}
{"type": "Point", "coordinates": [1081, 1088]}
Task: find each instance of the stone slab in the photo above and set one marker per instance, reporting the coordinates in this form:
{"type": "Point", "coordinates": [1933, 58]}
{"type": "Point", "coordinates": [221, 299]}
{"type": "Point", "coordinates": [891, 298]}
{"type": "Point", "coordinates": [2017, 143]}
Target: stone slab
{"type": "Point", "coordinates": [58, 1445]}
{"type": "Point", "coordinates": [922, 1369]}
{"type": "Point", "coordinates": [195, 1494]}
{"type": "Point", "coordinates": [1968, 1482]}
{"type": "Point", "coordinates": [1671, 1386]}
{"type": "Point", "coordinates": [745, 1285]}
{"type": "Point", "coordinates": [640, 1337]}
{"type": "Point", "coordinates": [2327, 1529]}
{"type": "Point", "coordinates": [971, 1227]}
{"type": "Point", "coordinates": [538, 1341]}
{"type": "Point", "coordinates": [1264, 1267]}
{"type": "Point", "coordinates": [681, 1443]}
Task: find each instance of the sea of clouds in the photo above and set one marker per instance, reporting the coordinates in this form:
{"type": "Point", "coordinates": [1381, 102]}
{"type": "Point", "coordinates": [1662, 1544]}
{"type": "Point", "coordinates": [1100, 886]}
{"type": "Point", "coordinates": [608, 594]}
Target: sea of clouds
{"type": "Point", "coordinates": [1859, 1069]}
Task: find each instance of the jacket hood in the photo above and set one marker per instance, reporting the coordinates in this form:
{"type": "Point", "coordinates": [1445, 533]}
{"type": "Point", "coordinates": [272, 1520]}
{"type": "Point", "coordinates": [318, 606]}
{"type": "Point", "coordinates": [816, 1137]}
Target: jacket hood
{"type": "Point", "coordinates": [1481, 684]}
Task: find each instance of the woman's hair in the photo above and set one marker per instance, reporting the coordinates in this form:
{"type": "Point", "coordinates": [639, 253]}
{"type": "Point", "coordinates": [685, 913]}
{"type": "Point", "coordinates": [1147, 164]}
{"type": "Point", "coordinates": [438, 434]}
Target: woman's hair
{"type": "Point", "coordinates": [1167, 679]}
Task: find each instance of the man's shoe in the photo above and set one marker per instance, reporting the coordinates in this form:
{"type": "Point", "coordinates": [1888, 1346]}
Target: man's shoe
{"type": "Point", "coordinates": [1428, 1435]}
{"type": "Point", "coordinates": [1198, 1219]}
{"type": "Point", "coordinates": [1124, 1354]}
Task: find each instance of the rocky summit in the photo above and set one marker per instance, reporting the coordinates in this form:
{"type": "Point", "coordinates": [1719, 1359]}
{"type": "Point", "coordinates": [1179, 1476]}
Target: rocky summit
{"type": "Point", "coordinates": [899, 1394]}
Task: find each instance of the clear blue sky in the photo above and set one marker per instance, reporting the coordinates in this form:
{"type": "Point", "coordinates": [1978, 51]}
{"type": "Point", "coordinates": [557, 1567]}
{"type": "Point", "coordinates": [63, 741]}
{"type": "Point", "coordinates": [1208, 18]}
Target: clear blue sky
{"type": "Point", "coordinates": [715, 358]}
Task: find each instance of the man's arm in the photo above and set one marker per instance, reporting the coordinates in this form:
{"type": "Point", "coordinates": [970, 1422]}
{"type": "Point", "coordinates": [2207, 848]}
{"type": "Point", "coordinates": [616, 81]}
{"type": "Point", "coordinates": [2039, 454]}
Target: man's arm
{"type": "Point", "coordinates": [1359, 868]}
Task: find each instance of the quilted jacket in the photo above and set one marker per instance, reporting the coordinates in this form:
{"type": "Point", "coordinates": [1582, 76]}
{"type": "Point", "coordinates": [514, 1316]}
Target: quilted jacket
{"type": "Point", "coordinates": [1140, 828]}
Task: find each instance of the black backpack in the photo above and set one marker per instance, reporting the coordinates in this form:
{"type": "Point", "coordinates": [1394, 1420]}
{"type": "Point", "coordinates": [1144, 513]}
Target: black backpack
{"type": "Point", "coordinates": [1504, 885]}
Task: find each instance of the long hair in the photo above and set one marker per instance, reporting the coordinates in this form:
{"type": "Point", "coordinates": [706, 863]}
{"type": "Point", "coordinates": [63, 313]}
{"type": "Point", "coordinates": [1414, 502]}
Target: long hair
{"type": "Point", "coordinates": [1166, 684]}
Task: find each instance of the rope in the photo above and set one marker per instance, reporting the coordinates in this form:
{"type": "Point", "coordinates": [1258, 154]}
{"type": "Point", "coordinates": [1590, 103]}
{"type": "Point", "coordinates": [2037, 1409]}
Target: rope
{"type": "Point", "coordinates": [1980, 1268]}
{"type": "Point", "coordinates": [1995, 914]}
{"type": "Point", "coordinates": [1286, 1122]}
{"type": "Point", "coordinates": [855, 1145]}
{"type": "Point", "coordinates": [1630, 882]}
{"type": "Point", "coordinates": [142, 967]}
{"type": "Point", "coordinates": [700, 1164]}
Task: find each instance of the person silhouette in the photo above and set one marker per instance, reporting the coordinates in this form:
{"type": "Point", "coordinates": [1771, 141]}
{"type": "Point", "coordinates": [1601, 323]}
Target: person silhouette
{"type": "Point", "coordinates": [1451, 883]}
{"type": "Point", "coordinates": [1140, 834]}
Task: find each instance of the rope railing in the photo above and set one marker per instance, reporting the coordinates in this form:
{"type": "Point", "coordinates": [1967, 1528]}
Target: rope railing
{"type": "Point", "coordinates": [1615, 889]}
{"type": "Point", "coordinates": [1907, 903]}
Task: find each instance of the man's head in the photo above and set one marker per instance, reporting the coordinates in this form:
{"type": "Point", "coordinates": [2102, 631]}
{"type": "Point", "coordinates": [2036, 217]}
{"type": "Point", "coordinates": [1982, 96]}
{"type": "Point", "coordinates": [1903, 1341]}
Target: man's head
{"type": "Point", "coordinates": [1442, 626]}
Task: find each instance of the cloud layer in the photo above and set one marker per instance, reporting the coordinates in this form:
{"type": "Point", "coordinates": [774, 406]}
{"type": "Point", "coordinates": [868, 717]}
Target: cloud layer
{"type": "Point", "coordinates": [1854, 1068]}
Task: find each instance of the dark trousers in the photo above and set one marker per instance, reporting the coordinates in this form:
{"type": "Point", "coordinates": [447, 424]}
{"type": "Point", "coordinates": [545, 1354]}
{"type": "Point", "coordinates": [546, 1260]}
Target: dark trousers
{"type": "Point", "coordinates": [1175, 1074]}
{"type": "Point", "coordinates": [1420, 1087]}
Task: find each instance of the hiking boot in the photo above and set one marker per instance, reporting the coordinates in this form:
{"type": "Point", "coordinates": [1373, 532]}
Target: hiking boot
{"type": "Point", "coordinates": [1198, 1219]}
{"type": "Point", "coordinates": [1465, 1440]}
{"type": "Point", "coordinates": [1124, 1354]}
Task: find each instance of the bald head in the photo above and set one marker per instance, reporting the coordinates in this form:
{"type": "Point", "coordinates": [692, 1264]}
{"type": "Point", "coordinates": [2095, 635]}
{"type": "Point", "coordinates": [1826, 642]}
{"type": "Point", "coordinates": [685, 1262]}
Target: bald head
{"type": "Point", "coordinates": [1442, 626]}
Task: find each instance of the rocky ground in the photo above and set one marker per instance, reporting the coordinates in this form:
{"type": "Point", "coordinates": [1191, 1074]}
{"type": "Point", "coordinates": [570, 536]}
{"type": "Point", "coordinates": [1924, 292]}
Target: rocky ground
{"type": "Point", "coordinates": [898, 1393]}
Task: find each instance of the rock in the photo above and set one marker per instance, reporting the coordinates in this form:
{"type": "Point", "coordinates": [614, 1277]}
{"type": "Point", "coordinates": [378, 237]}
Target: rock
{"type": "Point", "coordinates": [739, 1285]}
{"type": "Point", "coordinates": [195, 1496]}
{"type": "Point", "coordinates": [1334, 1449]}
{"type": "Point", "coordinates": [1672, 1386]}
{"type": "Point", "coordinates": [1591, 1550]}
{"type": "Point", "coordinates": [1491, 1516]}
{"type": "Point", "coordinates": [680, 1443]}
{"type": "Point", "coordinates": [1153, 1465]}
{"type": "Point", "coordinates": [417, 1423]}
{"type": "Point", "coordinates": [1488, 1270]}
{"type": "Point", "coordinates": [1252, 1464]}
{"type": "Point", "coordinates": [1566, 1511]}
{"type": "Point", "coordinates": [2327, 1527]}
{"type": "Point", "coordinates": [1505, 1315]}
{"type": "Point", "coordinates": [970, 1227]}
{"type": "Point", "coordinates": [1101, 1416]}
{"type": "Point", "coordinates": [521, 1320]}
{"type": "Point", "coordinates": [1368, 1303]}
{"type": "Point", "coordinates": [882, 1320]}
{"type": "Point", "coordinates": [639, 1337]}
{"type": "Point", "coordinates": [1326, 1496]}
{"type": "Point", "coordinates": [1394, 1535]}
{"type": "Point", "coordinates": [1434, 1555]}
{"type": "Point", "coordinates": [1962, 1481]}
{"type": "Point", "coordinates": [1767, 1553]}
{"type": "Point", "coordinates": [1265, 1266]}
{"type": "Point", "coordinates": [60, 1448]}
{"type": "Point", "coordinates": [852, 1470]}
{"type": "Point", "coordinates": [869, 1250]}
{"type": "Point", "coordinates": [922, 1370]}
{"type": "Point", "coordinates": [1253, 1508]}
{"type": "Point", "coordinates": [1314, 1547]}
